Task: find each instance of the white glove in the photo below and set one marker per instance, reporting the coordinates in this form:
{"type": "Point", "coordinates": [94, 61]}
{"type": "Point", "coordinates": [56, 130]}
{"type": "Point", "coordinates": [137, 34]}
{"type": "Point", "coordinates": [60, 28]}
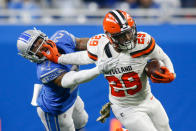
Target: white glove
{"type": "Point", "coordinates": [104, 66]}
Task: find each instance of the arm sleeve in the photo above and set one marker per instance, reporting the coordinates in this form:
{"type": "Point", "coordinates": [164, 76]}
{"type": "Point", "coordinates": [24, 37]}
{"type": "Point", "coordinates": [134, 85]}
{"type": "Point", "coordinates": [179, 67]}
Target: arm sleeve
{"type": "Point", "coordinates": [74, 78]}
{"type": "Point", "coordinates": [83, 57]}
{"type": "Point", "coordinates": [159, 54]}
{"type": "Point", "coordinates": [48, 71]}
{"type": "Point", "coordinates": [77, 58]}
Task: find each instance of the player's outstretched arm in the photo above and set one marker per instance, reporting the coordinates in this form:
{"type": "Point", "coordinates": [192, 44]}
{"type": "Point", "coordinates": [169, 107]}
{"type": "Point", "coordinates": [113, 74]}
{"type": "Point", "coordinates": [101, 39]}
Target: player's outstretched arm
{"type": "Point", "coordinates": [81, 43]}
{"type": "Point", "coordinates": [77, 58]}
{"type": "Point", "coordinates": [73, 78]}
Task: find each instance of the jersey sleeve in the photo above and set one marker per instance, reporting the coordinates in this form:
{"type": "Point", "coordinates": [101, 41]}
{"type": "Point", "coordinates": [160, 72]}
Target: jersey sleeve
{"type": "Point", "coordinates": [159, 54]}
{"type": "Point", "coordinates": [144, 46]}
{"type": "Point", "coordinates": [65, 41]}
{"type": "Point", "coordinates": [93, 46]}
{"type": "Point", "coordinates": [77, 58]}
{"type": "Point", "coordinates": [48, 71]}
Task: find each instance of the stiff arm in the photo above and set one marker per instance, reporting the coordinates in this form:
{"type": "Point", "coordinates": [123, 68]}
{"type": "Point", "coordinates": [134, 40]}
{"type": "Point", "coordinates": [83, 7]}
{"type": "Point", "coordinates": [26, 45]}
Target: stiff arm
{"type": "Point", "coordinates": [77, 58]}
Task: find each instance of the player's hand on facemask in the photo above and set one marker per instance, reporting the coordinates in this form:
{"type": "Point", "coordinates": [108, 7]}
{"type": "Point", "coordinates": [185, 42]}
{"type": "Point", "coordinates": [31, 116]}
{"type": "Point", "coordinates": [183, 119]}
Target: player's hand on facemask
{"type": "Point", "coordinates": [105, 66]}
{"type": "Point", "coordinates": [53, 53]}
{"type": "Point", "coordinates": [165, 77]}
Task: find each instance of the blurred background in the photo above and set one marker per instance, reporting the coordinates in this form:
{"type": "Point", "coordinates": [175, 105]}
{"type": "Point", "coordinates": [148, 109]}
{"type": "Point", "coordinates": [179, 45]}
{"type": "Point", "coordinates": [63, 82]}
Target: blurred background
{"type": "Point", "coordinates": [92, 11]}
{"type": "Point", "coordinates": [171, 22]}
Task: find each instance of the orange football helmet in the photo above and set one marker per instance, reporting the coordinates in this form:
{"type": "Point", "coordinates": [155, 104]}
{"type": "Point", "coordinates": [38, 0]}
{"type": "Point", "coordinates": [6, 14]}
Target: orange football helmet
{"type": "Point", "coordinates": [121, 30]}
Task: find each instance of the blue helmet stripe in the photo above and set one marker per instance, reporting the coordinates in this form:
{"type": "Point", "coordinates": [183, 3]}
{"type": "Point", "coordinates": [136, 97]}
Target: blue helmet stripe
{"type": "Point", "coordinates": [24, 37]}
{"type": "Point", "coordinates": [26, 34]}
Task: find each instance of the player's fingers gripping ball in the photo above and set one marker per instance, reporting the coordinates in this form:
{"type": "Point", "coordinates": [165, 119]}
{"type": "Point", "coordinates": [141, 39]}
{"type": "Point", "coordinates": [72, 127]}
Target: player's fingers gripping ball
{"type": "Point", "coordinates": [157, 73]}
{"type": "Point", "coordinates": [165, 77]}
{"type": "Point", "coordinates": [53, 53]}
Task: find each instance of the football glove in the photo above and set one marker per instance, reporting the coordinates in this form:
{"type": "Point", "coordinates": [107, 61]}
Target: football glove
{"type": "Point", "coordinates": [104, 112]}
{"type": "Point", "coordinates": [53, 53]}
{"type": "Point", "coordinates": [165, 77]}
{"type": "Point", "coordinates": [104, 66]}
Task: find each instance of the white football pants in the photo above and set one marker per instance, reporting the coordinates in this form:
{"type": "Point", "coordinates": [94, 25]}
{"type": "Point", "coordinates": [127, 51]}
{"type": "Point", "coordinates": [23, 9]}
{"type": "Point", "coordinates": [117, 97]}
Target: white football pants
{"type": "Point", "coordinates": [147, 116]}
{"type": "Point", "coordinates": [74, 118]}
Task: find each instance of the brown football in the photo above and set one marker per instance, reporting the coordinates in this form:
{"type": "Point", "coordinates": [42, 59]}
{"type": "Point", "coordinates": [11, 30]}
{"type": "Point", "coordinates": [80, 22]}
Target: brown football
{"type": "Point", "coordinates": [153, 66]}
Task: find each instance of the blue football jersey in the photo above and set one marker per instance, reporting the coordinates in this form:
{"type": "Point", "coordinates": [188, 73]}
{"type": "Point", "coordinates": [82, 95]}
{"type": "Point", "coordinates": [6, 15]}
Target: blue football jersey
{"type": "Point", "coordinates": [54, 99]}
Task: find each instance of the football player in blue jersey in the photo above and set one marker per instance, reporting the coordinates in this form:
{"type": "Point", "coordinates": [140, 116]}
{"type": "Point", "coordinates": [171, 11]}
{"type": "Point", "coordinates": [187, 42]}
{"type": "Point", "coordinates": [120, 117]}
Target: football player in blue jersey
{"type": "Point", "coordinates": [59, 106]}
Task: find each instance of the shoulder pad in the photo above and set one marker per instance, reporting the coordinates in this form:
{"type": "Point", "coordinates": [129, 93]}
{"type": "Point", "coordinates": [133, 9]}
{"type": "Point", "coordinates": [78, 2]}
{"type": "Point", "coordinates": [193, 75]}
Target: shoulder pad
{"type": "Point", "coordinates": [95, 44]}
{"type": "Point", "coordinates": [61, 35]}
{"type": "Point", "coordinates": [64, 41]}
{"type": "Point", "coordinates": [144, 46]}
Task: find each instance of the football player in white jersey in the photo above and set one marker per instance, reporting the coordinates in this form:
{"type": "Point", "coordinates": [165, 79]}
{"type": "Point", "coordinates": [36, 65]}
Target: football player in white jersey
{"type": "Point", "coordinates": [130, 95]}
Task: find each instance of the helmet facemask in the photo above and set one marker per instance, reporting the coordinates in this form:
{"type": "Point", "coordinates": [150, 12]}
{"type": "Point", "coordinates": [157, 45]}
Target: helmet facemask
{"type": "Point", "coordinates": [33, 52]}
{"type": "Point", "coordinates": [125, 40]}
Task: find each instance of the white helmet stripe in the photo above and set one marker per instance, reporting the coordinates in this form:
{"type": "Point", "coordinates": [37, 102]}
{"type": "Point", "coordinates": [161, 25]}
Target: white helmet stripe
{"type": "Point", "coordinates": [120, 17]}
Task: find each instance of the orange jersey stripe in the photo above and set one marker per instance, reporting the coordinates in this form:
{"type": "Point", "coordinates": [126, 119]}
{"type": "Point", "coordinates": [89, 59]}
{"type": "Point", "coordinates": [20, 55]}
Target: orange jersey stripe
{"type": "Point", "coordinates": [92, 56]}
{"type": "Point", "coordinates": [145, 51]}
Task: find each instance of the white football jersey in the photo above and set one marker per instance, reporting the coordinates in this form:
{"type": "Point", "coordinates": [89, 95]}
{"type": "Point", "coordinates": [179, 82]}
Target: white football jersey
{"type": "Point", "coordinates": [128, 83]}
